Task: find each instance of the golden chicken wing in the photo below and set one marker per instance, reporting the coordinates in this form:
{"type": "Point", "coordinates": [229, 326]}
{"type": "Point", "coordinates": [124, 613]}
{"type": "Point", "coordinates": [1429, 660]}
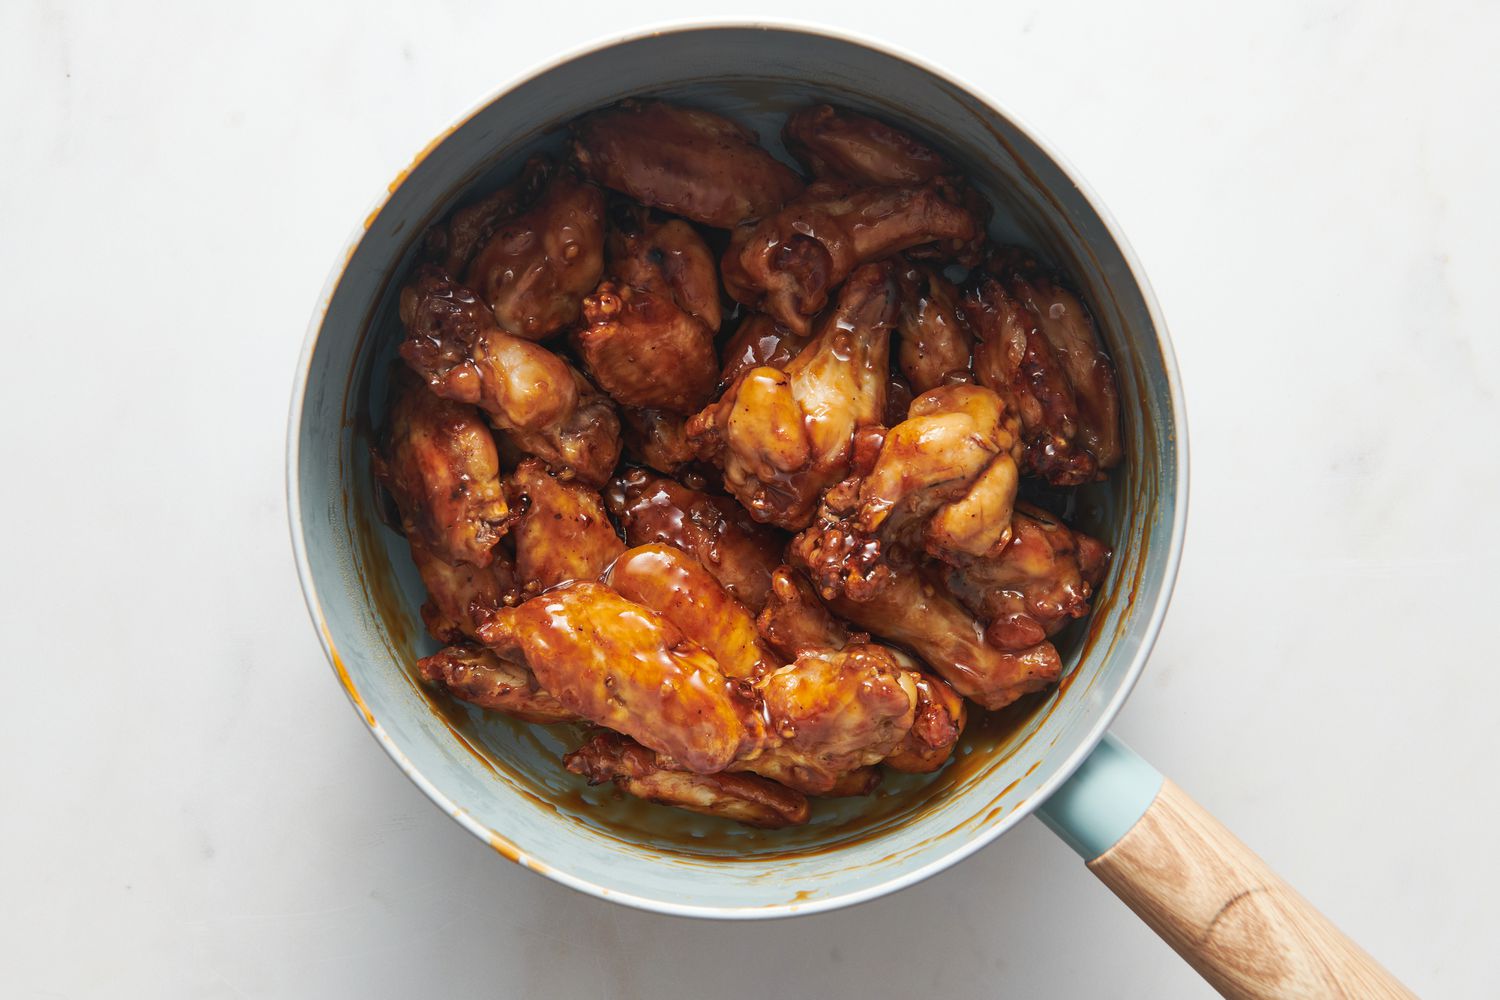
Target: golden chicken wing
{"type": "Point", "coordinates": [788, 263]}
{"type": "Point", "coordinates": [795, 623]}
{"type": "Point", "coordinates": [440, 466]}
{"type": "Point", "coordinates": [683, 160]}
{"type": "Point", "coordinates": [914, 609]}
{"type": "Point", "coordinates": [563, 533]}
{"type": "Point", "coordinates": [462, 596]}
{"type": "Point", "coordinates": [645, 351]}
{"type": "Point", "coordinates": [943, 482]}
{"type": "Point", "coordinates": [782, 437]}
{"type": "Point", "coordinates": [477, 675]}
{"type": "Point", "coordinates": [548, 409]}
{"type": "Point", "coordinates": [740, 553]}
{"type": "Point", "coordinates": [677, 586]}
{"type": "Point", "coordinates": [834, 712]}
{"type": "Point", "coordinates": [635, 770]}
{"type": "Point", "coordinates": [627, 668]}
{"type": "Point", "coordinates": [935, 346]}
{"type": "Point", "coordinates": [1038, 583]}
{"type": "Point", "coordinates": [533, 250]}
{"type": "Point", "coordinates": [1017, 355]}
{"type": "Point", "coordinates": [759, 341]}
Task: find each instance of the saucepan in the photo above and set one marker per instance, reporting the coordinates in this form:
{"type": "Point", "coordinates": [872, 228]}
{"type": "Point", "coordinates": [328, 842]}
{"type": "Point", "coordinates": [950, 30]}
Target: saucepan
{"type": "Point", "coordinates": [1203, 891]}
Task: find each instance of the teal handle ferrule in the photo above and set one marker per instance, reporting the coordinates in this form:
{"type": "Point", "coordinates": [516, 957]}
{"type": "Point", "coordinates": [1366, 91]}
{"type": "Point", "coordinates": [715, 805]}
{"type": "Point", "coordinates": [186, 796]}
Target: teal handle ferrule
{"type": "Point", "coordinates": [1103, 799]}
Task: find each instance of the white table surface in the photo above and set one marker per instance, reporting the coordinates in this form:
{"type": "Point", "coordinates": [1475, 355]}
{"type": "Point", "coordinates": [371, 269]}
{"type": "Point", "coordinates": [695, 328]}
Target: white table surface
{"type": "Point", "coordinates": [191, 808]}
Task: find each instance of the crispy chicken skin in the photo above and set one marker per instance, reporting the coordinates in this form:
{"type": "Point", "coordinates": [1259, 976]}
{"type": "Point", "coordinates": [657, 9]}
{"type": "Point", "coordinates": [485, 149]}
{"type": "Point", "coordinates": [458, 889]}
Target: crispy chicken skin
{"type": "Point", "coordinates": [678, 587]}
{"type": "Point", "coordinates": [795, 623]}
{"type": "Point", "coordinates": [1042, 580]}
{"type": "Point", "coordinates": [943, 482]}
{"type": "Point", "coordinates": [440, 466]}
{"type": "Point", "coordinates": [564, 533]}
{"type": "Point", "coordinates": [627, 668]}
{"type": "Point", "coordinates": [685, 161]}
{"type": "Point", "coordinates": [477, 675]}
{"type": "Point", "coordinates": [548, 409]}
{"type": "Point", "coordinates": [784, 436]}
{"type": "Point", "coordinates": [935, 347]}
{"type": "Point", "coordinates": [534, 268]}
{"type": "Point", "coordinates": [460, 597]}
{"type": "Point", "coordinates": [759, 341]}
{"type": "Point", "coordinates": [648, 333]}
{"type": "Point", "coordinates": [913, 609]}
{"type": "Point", "coordinates": [740, 553]}
{"type": "Point", "coordinates": [837, 142]}
{"type": "Point", "coordinates": [834, 712]}
{"type": "Point", "coordinates": [633, 768]}
{"type": "Point", "coordinates": [788, 263]}
{"type": "Point", "coordinates": [657, 438]}
{"type": "Point", "coordinates": [1033, 340]}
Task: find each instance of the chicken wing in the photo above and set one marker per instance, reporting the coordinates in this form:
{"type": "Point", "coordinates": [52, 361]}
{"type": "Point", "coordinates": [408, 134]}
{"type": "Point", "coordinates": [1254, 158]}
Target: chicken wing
{"type": "Point", "coordinates": [634, 769]}
{"type": "Point", "coordinates": [759, 341]}
{"type": "Point", "coordinates": [564, 533]}
{"type": "Point", "coordinates": [1018, 356]}
{"type": "Point", "coordinates": [944, 482]}
{"type": "Point", "coordinates": [783, 436]}
{"type": "Point", "coordinates": [657, 438]}
{"type": "Point", "coordinates": [935, 346]}
{"type": "Point", "coordinates": [548, 409]}
{"type": "Point", "coordinates": [477, 675]}
{"type": "Point", "coordinates": [1042, 580]}
{"type": "Point", "coordinates": [740, 553]}
{"type": "Point", "coordinates": [795, 623]}
{"type": "Point", "coordinates": [645, 351]}
{"type": "Point", "coordinates": [837, 142]}
{"type": "Point", "coordinates": [686, 161]}
{"type": "Point", "coordinates": [460, 597]}
{"type": "Point", "coordinates": [627, 668]}
{"type": "Point", "coordinates": [912, 608]}
{"type": "Point", "coordinates": [440, 466]}
{"type": "Point", "coordinates": [834, 712]}
{"type": "Point", "coordinates": [787, 264]}
{"type": "Point", "coordinates": [678, 587]}
{"type": "Point", "coordinates": [532, 250]}
{"type": "Point", "coordinates": [656, 253]}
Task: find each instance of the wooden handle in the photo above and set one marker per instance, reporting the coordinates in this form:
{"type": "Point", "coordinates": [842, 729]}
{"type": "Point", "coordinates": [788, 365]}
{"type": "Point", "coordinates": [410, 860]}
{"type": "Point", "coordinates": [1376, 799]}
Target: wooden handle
{"type": "Point", "coordinates": [1220, 907]}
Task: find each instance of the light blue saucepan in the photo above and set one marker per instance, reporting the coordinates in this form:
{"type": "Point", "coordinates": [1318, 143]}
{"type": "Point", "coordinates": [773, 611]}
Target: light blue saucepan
{"type": "Point", "coordinates": [504, 781]}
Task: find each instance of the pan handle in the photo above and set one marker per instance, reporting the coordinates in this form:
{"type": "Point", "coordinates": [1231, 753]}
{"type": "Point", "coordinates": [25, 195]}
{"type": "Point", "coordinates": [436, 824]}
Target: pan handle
{"type": "Point", "coordinates": [1204, 893]}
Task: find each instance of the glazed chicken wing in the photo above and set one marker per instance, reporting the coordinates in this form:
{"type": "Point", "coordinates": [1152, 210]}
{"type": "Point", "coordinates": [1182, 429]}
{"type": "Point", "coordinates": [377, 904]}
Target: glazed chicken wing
{"type": "Point", "coordinates": [759, 341]}
{"type": "Point", "coordinates": [1070, 439]}
{"type": "Point", "coordinates": [625, 667]}
{"type": "Point", "coordinates": [564, 533]}
{"type": "Point", "coordinates": [935, 345]}
{"type": "Point", "coordinates": [531, 251]}
{"type": "Point", "coordinates": [657, 438]}
{"type": "Point", "coordinates": [740, 553]}
{"type": "Point", "coordinates": [462, 596]}
{"type": "Point", "coordinates": [477, 675]}
{"type": "Point", "coordinates": [795, 623]}
{"type": "Point", "coordinates": [685, 161]}
{"type": "Point", "coordinates": [548, 409]}
{"type": "Point", "coordinates": [648, 333]}
{"type": "Point", "coordinates": [788, 264]}
{"type": "Point", "coordinates": [677, 586]}
{"type": "Point", "coordinates": [1042, 580]}
{"type": "Point", "coordinates": [943, 482]}
{"type": "Point", "coordinates": [836, 142]}
{"type": "Point", "coordinates": [634, 769]}
{"type": "Point", "coordinates": [912, 608]}
{"type": "Point", "coordinates": [440, 466]}
{"type": "Point", "coordinates": [784, 436]}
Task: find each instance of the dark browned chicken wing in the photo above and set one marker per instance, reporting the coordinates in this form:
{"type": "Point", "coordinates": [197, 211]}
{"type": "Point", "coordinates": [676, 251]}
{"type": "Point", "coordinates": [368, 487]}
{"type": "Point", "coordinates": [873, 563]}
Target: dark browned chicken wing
{"type": "Point", "coordinates": [935, 345]}
{"type": "Point", "coordinates": [685, 161]}
{"type": "Point", "coordinates": [563, 533]}
{"type": "Point", "coordinates": [477, 675]}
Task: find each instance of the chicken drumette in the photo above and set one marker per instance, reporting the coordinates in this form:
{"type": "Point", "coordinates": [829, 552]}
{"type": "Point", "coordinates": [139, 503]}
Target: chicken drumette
{"type": "Point", "coordinates": [563, 533]}
{"type": "Point", "coordinates": [784, 436]}
{"type": "Point", "coordinates": [546, 407]}
{"type": "Point", "coordinates": [479, 676]}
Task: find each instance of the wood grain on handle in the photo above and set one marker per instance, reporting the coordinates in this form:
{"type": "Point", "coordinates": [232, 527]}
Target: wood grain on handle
{"type": "Point", "coordinates": [1220, 907]}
